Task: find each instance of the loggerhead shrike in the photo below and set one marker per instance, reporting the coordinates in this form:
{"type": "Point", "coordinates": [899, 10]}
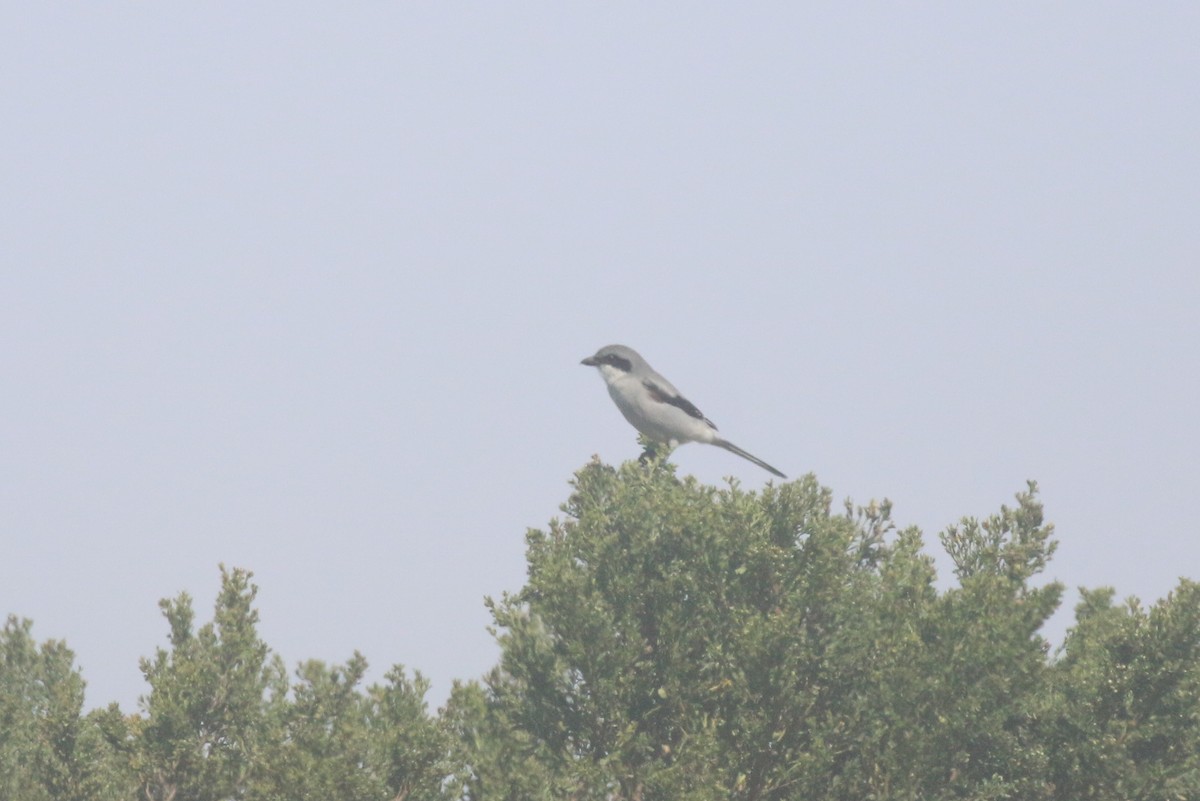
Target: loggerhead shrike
{"type": "Point", "coordinates": [653, 406]}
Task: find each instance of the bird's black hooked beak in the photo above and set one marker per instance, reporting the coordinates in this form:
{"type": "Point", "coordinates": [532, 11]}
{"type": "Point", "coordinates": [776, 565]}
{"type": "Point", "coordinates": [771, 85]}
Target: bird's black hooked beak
{"type": "Point", "coordinates": [590, 361]}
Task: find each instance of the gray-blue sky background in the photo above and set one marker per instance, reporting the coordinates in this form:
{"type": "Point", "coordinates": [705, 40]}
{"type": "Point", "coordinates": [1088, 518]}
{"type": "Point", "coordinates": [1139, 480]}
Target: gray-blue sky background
{"type": "Point", "coordinates": [304, 289]}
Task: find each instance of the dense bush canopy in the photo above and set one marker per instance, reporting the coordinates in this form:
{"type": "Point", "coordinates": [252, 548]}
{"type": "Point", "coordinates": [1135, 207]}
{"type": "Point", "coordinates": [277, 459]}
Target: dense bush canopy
{"type": "Point", "coordinates": [673, 641]}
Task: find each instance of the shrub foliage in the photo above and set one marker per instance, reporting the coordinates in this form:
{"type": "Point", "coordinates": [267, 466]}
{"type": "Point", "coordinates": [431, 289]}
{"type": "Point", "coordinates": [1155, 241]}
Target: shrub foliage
{"type": "Point", "coordinates": [673, 641]}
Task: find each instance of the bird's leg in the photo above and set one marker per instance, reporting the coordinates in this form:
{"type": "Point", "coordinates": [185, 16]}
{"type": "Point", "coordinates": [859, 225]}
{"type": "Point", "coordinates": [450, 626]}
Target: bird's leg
{"type": "Point", "coordinates": [649, 452]}
{"type": "Point", "coordinates": [654, 453]}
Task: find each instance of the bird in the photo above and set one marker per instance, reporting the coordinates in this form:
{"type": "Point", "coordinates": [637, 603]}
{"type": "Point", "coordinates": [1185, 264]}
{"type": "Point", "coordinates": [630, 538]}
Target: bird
{"type": "Point", "coordinates": [654, 407]}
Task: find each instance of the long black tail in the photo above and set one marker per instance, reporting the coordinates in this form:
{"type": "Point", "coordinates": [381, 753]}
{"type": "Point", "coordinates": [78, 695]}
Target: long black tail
{"type": "Point", "coordinates": [729, 446]}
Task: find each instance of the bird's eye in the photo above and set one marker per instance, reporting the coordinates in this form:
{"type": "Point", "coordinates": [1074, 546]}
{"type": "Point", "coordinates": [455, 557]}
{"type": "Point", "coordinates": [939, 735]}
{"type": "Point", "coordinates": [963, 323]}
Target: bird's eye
{"type": "Point", "coordinates": [618, 362]}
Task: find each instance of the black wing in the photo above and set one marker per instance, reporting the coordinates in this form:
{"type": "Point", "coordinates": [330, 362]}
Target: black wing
{"type": "Point", "coordinates": [678, 401]}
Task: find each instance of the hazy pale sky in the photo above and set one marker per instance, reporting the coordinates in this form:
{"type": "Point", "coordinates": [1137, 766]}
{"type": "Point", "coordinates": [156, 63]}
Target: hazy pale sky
{"type": "Point", "coordinates": [303, 288]}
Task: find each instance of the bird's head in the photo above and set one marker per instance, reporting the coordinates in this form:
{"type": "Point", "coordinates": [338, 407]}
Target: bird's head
{"type": "Point", "coordinates": [614, 361]}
